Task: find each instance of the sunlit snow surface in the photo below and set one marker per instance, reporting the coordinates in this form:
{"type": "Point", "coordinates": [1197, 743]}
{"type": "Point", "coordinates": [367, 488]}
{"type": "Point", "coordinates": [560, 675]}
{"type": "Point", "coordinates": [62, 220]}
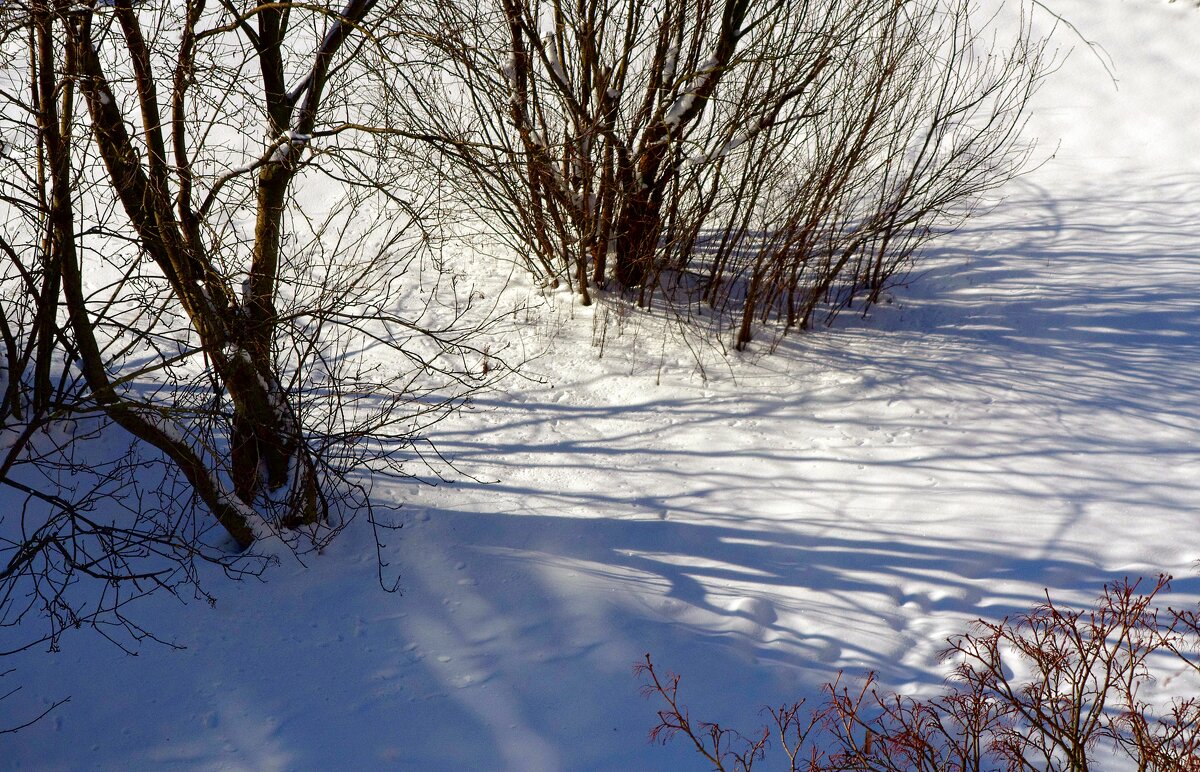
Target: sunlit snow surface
{"type": "Point", "coordinates": [1022, 416]}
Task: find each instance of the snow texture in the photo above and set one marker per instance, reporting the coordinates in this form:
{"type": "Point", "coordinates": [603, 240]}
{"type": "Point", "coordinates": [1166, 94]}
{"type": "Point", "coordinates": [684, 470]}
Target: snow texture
{"type": "Point", "coordinates": [1022, 416]}
{"type": "Point", "coordinates": [685, 101]}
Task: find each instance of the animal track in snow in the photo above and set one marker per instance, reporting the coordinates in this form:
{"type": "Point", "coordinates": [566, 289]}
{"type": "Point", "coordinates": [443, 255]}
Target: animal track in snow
{"type": "Point", "coordinates": [759, 610]}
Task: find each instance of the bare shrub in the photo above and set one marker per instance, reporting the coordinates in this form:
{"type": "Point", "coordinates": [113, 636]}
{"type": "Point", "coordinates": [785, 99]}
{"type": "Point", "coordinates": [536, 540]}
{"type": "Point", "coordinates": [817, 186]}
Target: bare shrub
{"type": "Point", "coordinates": [222, 305]}
{"type": "Point", "coordinates": [1053, 689]}
{"type": "Point", "coordinates": [772, 160]}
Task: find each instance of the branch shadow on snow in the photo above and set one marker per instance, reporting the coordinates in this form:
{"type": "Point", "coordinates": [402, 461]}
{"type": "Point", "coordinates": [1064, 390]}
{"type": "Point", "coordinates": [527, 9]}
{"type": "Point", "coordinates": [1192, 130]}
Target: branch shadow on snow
{"type": "Point", "coordinates": [1010, 424]}
{"type": "Point", "coordinates": [1056, 388]}
{"type": "Point", "coordinates": [1099, 309]}
{"type": "Point", "coordinates": [1021, 417]}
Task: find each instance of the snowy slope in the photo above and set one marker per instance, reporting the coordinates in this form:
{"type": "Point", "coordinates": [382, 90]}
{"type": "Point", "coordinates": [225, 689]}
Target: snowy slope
{"type": "Point", "coordinates": [1022, 416]}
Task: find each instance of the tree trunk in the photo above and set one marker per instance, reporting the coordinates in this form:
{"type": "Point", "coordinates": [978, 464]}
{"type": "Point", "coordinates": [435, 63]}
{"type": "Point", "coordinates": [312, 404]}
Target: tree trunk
{"type": "Point", "coordinates": [266, 435]}
{"type": "Point", "coordinates": [638, 228]}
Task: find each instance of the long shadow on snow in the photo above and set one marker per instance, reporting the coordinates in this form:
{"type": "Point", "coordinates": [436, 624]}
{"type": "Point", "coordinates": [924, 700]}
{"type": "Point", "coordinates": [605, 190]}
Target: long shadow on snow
{"type": "Point", "coordinates": [1100, 308]}
{"type": "Point", "coordinates": [1072, 369]}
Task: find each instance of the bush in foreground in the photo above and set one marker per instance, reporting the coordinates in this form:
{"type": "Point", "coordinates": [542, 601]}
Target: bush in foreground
{"type": "Point", "coordinates": [1051, 689]}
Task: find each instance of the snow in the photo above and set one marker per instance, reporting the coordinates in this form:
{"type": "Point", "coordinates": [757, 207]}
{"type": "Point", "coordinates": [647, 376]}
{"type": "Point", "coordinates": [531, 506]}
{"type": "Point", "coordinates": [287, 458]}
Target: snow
{"type": "Point", "coordinates": [669, 63]}
{"type": "Point", "coordinates": [685, 101]}
{"type": "Point", "coordinates": [1021, 416]}
{"type": "Point", "coordinates": [509, 70]}
{"type": "Point", "coordinates": [548, 45]}
{"type": "Point", "coordinates": [289, 144]}
{"type": "Point", "coordinates": [679, 108]}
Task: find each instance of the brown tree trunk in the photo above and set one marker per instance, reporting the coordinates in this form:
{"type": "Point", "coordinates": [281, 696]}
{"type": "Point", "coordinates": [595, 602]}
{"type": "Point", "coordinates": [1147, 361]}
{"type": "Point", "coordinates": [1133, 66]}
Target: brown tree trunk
{"type": "Point", "coordinates": [236, 338]}
{"type": "Point", "coordinates": [637, 231]}
{"type": "Point", "coordinates": [234, 515]}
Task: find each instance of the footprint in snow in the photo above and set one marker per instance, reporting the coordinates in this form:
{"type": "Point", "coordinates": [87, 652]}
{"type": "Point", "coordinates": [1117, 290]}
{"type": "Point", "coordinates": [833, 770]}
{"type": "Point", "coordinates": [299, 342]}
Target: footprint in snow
{"type": "Point", "coordinates": [828, 651]}
{"type": "Point", "coordinates": [757, 610]}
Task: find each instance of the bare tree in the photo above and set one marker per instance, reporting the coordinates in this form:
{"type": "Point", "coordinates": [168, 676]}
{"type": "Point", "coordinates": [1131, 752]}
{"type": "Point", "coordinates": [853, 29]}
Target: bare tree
{"type": "Point", "coordinates": [209, 241]}
{"type": "Point", "coordinates": [768, 158]}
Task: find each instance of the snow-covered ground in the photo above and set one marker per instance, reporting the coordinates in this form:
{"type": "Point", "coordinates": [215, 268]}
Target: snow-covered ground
{"type": "Point", "coordinates": [1022, 416]}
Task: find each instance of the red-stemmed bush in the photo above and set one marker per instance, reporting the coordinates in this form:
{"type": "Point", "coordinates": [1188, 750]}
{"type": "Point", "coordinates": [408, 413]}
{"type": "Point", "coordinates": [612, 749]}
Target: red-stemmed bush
{"type": "Point", "coordinates": [1051, 689]}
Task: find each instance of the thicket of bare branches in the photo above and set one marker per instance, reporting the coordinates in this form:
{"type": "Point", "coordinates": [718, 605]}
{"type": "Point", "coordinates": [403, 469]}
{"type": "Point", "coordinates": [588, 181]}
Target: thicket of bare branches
{"type": "Point", "coordinates": [209, 241]}
{"type": "Point", "coordinates": [771, 160]}
{"type": "Point", "coordinates": [1052, 689]}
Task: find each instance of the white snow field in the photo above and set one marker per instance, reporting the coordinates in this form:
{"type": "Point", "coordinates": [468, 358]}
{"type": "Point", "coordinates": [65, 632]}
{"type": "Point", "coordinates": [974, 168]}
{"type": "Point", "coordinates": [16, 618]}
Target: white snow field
{"type": "Point", "coordinates": [1022, 416]}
